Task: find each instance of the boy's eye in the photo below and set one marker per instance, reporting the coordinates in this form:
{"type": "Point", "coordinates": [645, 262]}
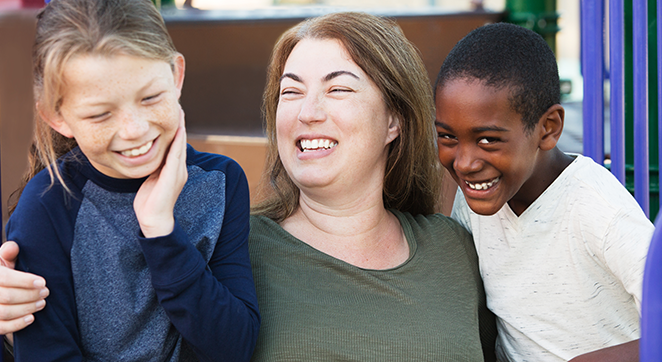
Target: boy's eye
{"type": "Point", "coordinates": [488, 140]}
{"type": "Point", "coordinates": [98, 116]}
{"type": "Point", "coordinates": [152, 97]}
{"type": "Point", "coordinates": [445, 136]}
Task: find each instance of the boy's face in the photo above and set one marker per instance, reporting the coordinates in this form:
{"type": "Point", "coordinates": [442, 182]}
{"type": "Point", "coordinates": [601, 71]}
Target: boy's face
{"type": "Point", "coordinates": [122, 110]}
{"type": "Point", "coordinates": [483, 143]}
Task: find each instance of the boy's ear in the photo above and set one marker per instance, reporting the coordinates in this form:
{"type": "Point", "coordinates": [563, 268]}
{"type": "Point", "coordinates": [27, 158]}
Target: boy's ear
{"type": "Point", "coordinates": [56, 121]}
{"type": "Point", "coordinates": [178, 72]}
{"type": "Point", "coordinates": [551, 127]}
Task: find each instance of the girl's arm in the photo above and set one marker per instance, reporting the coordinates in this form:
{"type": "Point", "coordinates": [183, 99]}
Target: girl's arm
{"type": "Point", "coordinates": [213, 305]}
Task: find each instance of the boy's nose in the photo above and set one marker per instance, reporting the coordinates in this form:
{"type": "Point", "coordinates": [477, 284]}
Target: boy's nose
{"type": "Point", "coordinates": [133, 125]}
{"type": "Point", "coordinates": [466, 162]}
{"type": "Point", "coordinates": [311, 109]}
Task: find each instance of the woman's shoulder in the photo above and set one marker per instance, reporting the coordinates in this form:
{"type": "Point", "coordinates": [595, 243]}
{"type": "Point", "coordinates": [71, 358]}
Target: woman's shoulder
{"type": "Point", "coordinates": [433, 223]}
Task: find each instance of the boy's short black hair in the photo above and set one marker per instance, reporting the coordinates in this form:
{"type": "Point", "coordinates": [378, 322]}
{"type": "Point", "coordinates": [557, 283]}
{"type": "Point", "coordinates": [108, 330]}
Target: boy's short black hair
{"type": "Point", "coordinates": [507, 55]}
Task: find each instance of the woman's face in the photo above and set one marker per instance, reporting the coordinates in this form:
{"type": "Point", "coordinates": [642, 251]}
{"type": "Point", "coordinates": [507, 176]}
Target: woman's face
{"type": "Point", "coordinates": [332, 124]}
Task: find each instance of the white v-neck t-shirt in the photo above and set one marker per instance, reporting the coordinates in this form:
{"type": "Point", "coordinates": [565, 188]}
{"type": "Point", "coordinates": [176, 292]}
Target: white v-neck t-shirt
{"type": "Point", "coordinates": [565, 277]}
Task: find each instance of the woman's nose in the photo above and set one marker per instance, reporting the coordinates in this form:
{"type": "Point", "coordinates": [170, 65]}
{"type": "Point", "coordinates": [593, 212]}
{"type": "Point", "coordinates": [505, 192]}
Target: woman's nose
{"type": "Point", "coordinates": [312, 109]}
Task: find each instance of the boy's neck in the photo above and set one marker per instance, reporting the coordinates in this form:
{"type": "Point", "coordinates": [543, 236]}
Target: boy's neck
{"type": "Point", "coordinates": [548, 168]}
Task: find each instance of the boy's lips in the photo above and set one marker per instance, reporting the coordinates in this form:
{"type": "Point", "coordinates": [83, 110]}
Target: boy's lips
{"type": "Point", "coordinates": [482, 186]}
{"type": "Point", "coordinates": [138, 151]}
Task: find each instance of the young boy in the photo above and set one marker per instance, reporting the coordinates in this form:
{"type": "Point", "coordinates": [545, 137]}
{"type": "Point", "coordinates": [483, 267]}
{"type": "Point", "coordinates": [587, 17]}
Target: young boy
{"type": "Point", "coordinates": [561, 242]}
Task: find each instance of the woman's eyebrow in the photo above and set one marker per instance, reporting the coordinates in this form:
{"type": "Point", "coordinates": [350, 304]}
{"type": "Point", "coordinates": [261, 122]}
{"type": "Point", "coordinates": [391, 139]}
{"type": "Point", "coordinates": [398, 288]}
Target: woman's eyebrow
{"type": "Point", "coordinates": [291, 76]}
{"type": "Point", "coordinates": [338, 73]}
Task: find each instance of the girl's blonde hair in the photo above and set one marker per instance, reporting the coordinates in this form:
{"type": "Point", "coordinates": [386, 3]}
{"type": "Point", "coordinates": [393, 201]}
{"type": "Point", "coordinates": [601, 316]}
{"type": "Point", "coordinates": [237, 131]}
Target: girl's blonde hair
{"type": "Point", "coordinates": [69, 28]}
{"type": "Point", "coordinates": [412, 177]}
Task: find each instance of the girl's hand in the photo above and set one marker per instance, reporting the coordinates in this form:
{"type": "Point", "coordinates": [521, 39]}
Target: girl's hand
{"type": "Point", "coordinates": [21, 294]}
{"type": "Point", "coordinates": [155, 201]}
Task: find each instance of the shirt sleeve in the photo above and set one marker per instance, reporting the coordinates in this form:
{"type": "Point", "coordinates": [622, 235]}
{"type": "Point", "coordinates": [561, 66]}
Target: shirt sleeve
{"type": "Point", "coordinates": [43, 233]}
{"type": "Point", "coordinates": [625, 247]}
{"type": "Point", "coordinates": [213, 306]}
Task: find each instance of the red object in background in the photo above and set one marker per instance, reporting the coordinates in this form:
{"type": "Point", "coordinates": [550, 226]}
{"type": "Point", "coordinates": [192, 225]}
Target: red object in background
{"type": "Point", "coordinates": [17, 4]}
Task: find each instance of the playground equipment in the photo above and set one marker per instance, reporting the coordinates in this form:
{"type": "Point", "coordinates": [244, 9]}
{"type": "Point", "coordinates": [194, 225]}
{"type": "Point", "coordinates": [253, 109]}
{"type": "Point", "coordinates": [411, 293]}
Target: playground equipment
{"type": "Point", "coordinates": [630, 73]}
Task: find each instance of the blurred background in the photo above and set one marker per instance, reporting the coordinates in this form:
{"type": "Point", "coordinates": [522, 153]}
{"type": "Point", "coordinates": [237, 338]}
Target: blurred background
{"type": "Point", "coordinates": [227, 44]}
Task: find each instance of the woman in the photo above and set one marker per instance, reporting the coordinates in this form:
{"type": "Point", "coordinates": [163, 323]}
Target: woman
{"type": "Point", "coordinates": [350, 262]}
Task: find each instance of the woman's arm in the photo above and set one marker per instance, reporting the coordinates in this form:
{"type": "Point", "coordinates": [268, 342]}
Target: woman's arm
{"type": "Point", "coordinates": [43, 228]}
{"type": "Point", "coordinates": [21, 294]}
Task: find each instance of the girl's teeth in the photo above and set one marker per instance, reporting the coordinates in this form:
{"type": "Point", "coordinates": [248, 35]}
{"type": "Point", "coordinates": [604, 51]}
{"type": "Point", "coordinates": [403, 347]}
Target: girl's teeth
{"type": "Point", "coordinates": [138, 151]}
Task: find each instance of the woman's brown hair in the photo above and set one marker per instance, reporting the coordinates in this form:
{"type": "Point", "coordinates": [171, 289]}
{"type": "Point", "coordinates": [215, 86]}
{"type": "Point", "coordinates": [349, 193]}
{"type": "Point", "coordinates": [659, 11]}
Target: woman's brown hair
{"type": "Point", "coordinates": [413, 174]}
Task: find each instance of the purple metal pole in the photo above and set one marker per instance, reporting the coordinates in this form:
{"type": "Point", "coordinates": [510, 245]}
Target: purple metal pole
{"type": "Point", "coordinates": [617, 88]}
{"type": "Point", "coordinates": [640, 80]}
{"type": "Point", "coordinates": [650, 348]}
{"type": "Point", "coordinates": [659, 93]}
{"type": "Point", "coordinates": [592, 17]}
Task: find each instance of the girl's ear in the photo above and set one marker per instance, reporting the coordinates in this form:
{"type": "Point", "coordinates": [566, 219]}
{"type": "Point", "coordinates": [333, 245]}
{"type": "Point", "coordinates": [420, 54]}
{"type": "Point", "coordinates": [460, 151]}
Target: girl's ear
{"type": "Point", "coordinates": [56, 121]}
{"type": "Point", "coordinates": [552, 127]}
{"type": "Point", "coordinates": [178, 72]}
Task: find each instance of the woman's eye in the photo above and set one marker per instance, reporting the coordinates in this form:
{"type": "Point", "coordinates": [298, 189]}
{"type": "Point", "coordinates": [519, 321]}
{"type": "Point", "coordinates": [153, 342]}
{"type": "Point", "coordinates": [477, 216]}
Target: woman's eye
{"type": "Point", "coordinates": [340, 90]}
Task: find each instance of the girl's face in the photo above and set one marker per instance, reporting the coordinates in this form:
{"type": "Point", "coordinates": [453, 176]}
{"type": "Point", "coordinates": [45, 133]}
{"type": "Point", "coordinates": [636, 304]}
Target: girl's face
{"type": "Point", "coordinates": [122, 110]}
{"type": "Point", "coordinates": [332, 124]}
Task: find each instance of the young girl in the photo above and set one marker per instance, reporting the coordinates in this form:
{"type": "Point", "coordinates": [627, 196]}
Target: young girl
{"type": "Point", "coordinates": [142, 240]}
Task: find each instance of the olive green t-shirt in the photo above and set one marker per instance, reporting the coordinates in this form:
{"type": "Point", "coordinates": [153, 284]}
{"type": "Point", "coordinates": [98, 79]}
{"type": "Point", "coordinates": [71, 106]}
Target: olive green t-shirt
{"type": "Point", "coordinates": [315, 307]}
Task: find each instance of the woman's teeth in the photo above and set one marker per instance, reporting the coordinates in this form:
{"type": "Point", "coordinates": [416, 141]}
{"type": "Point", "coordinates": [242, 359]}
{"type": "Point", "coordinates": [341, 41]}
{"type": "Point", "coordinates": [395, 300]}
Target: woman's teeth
{"type": "Point", "coordinates": [138, 151]}
{"type": "Point", "coordinates": [482, 186]}
{"type": "Point", "coordinates": [313, 145]}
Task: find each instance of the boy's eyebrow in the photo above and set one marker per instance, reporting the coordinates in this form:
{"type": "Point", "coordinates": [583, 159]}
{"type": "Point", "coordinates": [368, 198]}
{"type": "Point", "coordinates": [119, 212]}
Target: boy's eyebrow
{"type": "Point", "coordinates": [475, 129]}
{"type": "Point", "coordinates": [326, 78]}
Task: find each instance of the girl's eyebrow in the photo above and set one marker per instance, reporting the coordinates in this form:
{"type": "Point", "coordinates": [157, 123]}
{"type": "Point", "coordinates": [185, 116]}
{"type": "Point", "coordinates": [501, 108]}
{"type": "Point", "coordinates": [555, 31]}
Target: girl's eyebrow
{"type": "Point", "coordinates": [326, 78]}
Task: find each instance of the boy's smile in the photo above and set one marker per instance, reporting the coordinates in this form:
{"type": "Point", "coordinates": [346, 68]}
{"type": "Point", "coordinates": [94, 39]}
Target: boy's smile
{"type": "Point", "coordinates": [484, 145]}
{"type": "Point", "coordinates": [122, 110]}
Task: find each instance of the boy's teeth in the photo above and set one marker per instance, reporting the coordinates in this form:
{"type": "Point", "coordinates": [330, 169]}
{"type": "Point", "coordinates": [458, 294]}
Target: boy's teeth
{"type": "Point", "coordinates": [482, 186]}
{"type": "Point", "coordinates": [138, 151]}
{"type": "Point", "coordinates": [312, 145]}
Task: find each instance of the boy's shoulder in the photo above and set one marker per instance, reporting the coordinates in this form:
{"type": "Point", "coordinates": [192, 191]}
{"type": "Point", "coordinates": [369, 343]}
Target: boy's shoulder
{"type": "Point", "coordinates": [591, 181]}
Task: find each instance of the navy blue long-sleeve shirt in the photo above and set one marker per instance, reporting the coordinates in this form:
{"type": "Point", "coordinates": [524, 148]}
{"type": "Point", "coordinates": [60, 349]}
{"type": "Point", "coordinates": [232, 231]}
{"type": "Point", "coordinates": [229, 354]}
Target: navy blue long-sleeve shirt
{"type": "Point", "coordinates": [118, 296]}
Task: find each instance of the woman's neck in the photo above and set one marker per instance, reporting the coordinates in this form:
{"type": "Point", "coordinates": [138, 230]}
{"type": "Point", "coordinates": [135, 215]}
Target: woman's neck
{"type": "Point", "coordinates": [360, 232]}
